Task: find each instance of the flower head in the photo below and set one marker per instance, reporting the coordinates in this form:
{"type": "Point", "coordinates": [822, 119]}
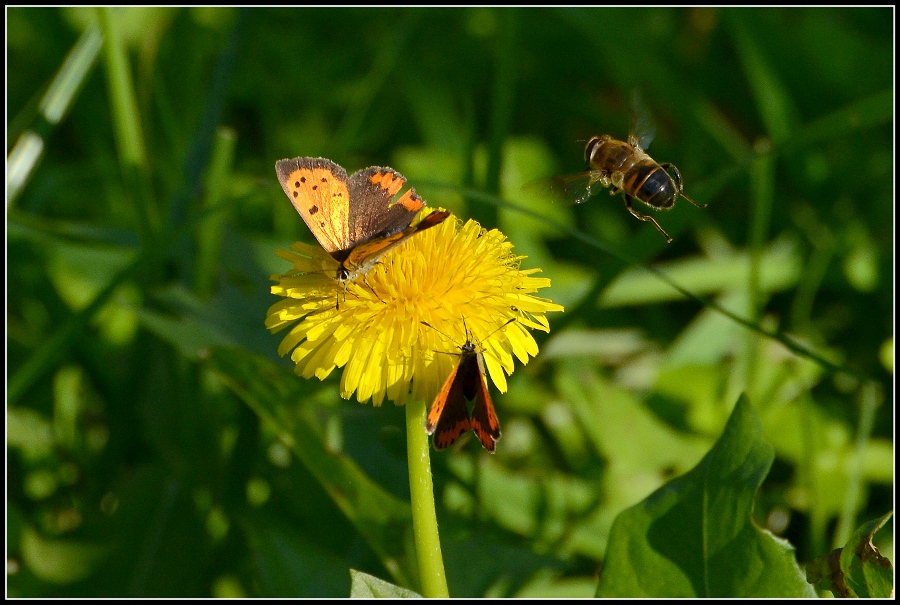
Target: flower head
{"type": "Point", "coordinates": [397, 330]}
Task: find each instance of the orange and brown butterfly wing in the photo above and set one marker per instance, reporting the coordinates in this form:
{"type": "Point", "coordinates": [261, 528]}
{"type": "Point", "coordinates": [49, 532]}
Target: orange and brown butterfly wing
{"type": "Point", "coordinates": [366, 254]}
{"type": "Point", "coordinates": [319, 190]}
{"type": "Point", "coordinates": [449, 414]}
{"type": "Point", "coordinates": [484, 419]}
{"type": "Point", "coordinates": [373, 210]}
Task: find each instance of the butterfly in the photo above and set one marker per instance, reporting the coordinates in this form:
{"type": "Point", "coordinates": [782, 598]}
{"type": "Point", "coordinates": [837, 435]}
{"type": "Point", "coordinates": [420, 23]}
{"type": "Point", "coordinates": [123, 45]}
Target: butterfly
{"type": "Point", "coordinates": [355, 219]}
{"type": "Point", "coordinates": [449, 415]}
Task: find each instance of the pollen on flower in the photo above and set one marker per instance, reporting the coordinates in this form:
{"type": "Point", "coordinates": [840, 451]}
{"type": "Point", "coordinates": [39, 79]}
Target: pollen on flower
{"type": "Point", "coordinates": [397, 330]}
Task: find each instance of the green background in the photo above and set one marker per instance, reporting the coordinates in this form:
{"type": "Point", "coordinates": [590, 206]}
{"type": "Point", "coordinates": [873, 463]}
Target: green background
{"type": "Point", "coordinates": [141, 236]}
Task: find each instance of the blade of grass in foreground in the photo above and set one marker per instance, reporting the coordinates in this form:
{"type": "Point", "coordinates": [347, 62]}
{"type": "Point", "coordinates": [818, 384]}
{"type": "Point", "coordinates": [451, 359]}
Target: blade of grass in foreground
{"type": "Point", "coordinates": [61, 93]}
{"type": "Point", "coordinates": [126, 121]}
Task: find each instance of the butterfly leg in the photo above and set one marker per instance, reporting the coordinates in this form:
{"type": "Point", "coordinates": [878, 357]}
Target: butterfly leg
{"type": "Point", "coordinates": [366, 282]}
{"type": "Point", "coordinates": [645, 218]}
{"type": "Point", "coordinates": [368, 285]}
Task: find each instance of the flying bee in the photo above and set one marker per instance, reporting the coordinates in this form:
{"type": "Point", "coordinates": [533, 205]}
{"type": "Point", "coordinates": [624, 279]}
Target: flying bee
{"type": "Point", "coordinates": [624, 167]}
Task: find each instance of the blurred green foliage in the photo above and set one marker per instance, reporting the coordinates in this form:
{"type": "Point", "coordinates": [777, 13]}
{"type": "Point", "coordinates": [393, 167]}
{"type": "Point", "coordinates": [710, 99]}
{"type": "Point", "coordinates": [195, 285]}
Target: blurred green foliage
{"type": "Point", "coordinates": [151, 428]}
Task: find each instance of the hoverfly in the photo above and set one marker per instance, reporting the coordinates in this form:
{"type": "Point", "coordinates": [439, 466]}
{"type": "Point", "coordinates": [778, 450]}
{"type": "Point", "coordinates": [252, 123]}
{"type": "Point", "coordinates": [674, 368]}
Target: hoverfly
{"type": "Point", "coordinates": [624, 167]}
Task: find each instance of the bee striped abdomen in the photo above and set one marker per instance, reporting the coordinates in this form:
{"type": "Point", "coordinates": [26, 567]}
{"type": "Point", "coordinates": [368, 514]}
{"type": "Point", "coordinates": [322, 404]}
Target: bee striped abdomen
{"type": "Point", "coordinates": [651, 184]}
{"type": "Point", "coordinates": [624, 167]}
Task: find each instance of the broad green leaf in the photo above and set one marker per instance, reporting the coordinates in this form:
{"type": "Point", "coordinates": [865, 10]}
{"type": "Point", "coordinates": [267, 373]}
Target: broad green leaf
{"type": "Point", "coordinates": [551, 584]}
{"type": "Point", "coordinates": [780, 267]}
{"type": "Point", "coordinates": [694, 537]}
{"type": "Point", "coordinates": [639, 448]}
{"type": "Point", "coordinates": [857, 569]}
{"type": "Point", "coordinates": [364, 586]}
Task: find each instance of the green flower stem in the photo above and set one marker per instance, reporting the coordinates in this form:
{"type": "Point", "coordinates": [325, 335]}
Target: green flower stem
{"type": "Point", "coordinates": [421, 490]}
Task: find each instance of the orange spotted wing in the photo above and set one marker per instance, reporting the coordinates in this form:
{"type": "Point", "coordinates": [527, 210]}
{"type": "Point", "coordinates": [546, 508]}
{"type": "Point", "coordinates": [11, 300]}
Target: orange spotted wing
{"type": "Point", "coordinates": [355, 219]}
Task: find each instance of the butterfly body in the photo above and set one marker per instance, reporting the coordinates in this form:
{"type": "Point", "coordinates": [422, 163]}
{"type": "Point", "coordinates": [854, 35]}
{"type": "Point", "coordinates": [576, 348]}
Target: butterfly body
{"type": "Point", "coordinates": [449, 416]}
{"type": "Point", "coordinates": [354, 218]}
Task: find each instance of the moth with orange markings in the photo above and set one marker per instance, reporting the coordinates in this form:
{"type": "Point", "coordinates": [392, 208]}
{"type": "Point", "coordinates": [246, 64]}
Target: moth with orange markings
{"type": "Point", "coordinates": [356, 219]}
{"type": "Point", "coordinates": [449, 416]}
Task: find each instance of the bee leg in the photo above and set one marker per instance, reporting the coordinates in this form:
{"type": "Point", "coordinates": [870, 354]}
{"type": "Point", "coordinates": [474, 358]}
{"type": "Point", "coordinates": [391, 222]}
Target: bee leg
{"type": "Point", "coordinates": [645, 218]}
{"type": "Point", "coordinates": [679, 186]}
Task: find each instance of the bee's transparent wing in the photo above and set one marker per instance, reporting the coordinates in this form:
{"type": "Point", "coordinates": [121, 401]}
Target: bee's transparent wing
{"type": "Point", "coordinates": [642, 129]}
{"type": "Point", "coordinates": [576, 188]}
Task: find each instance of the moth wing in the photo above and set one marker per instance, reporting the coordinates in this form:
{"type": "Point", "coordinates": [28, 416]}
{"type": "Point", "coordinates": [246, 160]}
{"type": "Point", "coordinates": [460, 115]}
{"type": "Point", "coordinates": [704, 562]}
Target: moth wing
{"type": "Point", "coordinates": [449, 414]}
{"type": "Point", "coordinates": [484, 418]}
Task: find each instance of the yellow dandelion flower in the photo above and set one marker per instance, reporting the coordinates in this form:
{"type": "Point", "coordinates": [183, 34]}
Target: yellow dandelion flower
{"type": "Point", "coordinates": [397, 331]}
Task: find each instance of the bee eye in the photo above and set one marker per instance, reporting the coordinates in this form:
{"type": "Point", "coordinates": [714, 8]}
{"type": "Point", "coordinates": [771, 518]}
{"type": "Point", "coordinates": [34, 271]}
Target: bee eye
{"type": "Point", "coordinates": [589, 148]}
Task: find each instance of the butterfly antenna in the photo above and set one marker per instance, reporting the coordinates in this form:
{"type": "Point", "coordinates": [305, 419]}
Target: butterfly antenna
{"type": "Point", "coordinates": [425, 323]}
{"type": "Point", "coordinates": [466, 328]}
{"type": "Point", "coordinates": [497, 329]}
{"type": "Point", "coordinates": [503, 325]}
